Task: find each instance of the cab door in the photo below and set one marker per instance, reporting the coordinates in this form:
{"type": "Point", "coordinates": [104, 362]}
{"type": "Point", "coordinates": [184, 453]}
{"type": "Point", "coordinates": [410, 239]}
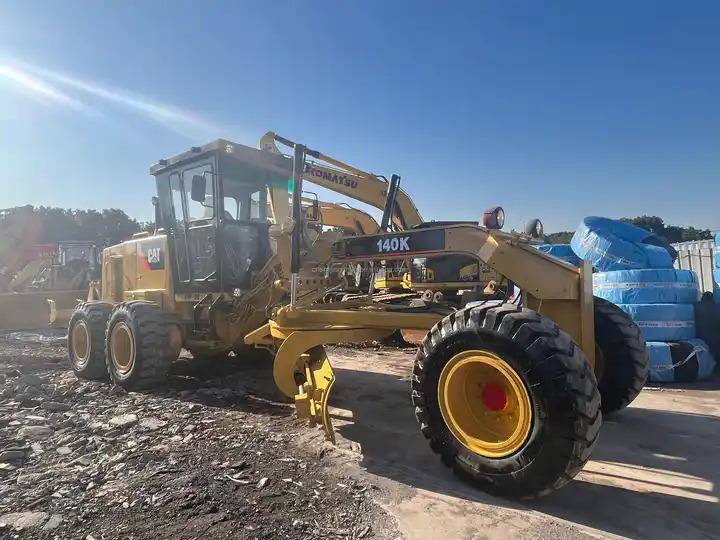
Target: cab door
{"type": "Point", "coordinates": [194, 231]}
{"type": "Point", "coordinates": [202, 228]}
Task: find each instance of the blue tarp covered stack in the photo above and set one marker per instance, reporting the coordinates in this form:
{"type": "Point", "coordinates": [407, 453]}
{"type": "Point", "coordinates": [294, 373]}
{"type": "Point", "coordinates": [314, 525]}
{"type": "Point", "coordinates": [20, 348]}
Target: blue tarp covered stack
{"type": "Point", "coordinates": [634, 269]}
{"type": "Point", "coordinates": [716, 267]}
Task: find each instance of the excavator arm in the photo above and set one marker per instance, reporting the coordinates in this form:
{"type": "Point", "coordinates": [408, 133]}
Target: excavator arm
{"type": "Point", "coordinates": [347, 217]}
{"type": "Point", "coordinates": [352, 182]}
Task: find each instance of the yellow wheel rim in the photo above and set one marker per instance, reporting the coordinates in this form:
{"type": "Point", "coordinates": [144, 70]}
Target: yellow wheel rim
{"type": "Point", "coordinates": [485, 403]}
{"type": "Point", "coordinates": [81, 343]}
{"type": "Point", "coordinates": [122, 348]}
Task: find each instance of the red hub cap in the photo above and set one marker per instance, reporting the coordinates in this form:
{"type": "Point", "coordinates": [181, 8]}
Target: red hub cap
{"type": "Point", "coordinates": [494, 397]}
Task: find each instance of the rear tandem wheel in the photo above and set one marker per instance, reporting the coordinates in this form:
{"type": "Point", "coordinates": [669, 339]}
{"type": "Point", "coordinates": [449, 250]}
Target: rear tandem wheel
{"type": "Point", "coordinates": [86, 340]}
{"type": "Point", "coordinates": [139, 351]}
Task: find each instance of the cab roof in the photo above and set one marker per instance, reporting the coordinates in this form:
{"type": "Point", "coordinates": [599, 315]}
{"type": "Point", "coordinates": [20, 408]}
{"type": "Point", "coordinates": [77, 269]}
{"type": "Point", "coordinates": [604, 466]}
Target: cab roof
{"type": "Point", "coordinates": [235, 152]}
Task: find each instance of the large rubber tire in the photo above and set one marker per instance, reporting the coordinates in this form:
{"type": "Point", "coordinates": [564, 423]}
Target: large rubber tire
{"type": "Point", "coordinates": [86, 331]}
{"type": "Point", "coordinates": [622, 362]}
{"type": "Point", "coordinates": [564, 398]}
{"type": "Point", "coordinates": [147, 332]}
{"type": "Point", "coordinates": [681, 361]}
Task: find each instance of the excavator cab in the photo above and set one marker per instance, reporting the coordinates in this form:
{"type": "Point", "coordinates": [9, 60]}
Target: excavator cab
{"type": "Point", "coordinates": [213, 205]}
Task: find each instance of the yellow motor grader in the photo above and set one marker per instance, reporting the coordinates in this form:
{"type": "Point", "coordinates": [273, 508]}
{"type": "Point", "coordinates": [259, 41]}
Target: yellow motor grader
{"type": "Point", "coordinates": [509, 394]}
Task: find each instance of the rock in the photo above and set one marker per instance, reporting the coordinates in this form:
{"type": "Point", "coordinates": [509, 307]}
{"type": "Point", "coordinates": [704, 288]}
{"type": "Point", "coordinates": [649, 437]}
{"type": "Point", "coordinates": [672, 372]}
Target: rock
{"type": "Point", "coordinates": [55, 406]}
{"type": "Point", "coordinates": [53, 522]}
{"type": "Point", "coordinates": [63, 450]}
{"type": "Point", "coordinates": [28, 479]}
{"type": "Point", "coordinates": [124, 420]}
{"type": "Point", "coordinates": [83, 460]}
{"type": "Point", "coordinates": [29, 403]}
{"type": "Point", "coordinates": [262, 483]}
{"type": "Point", "coordinates": [30, 380]}
{"type": "Point", "coordinates": [96, 426]}
{"type": "Point", "coordinates": [23, 520]}
{"type": "Point", "coordinates": [34, 418]}
{"type": "Point", "coordinates": [151, 423]}
{"type": "Point", "coordinates": [116, 390]}
{"type": "Point", "coordinates": [12, 455]}
{"type": "Point", "coordinates": [35, 433]}
{"type": "Point", "coordinates": [37, 448]}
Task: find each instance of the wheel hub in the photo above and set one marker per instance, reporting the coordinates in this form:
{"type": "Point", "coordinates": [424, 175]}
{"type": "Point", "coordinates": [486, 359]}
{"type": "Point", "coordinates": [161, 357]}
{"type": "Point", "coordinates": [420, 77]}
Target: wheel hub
{"type": "Point", "coordinates": [485, 403]}
{"type": "Point", "coordinates": [494, 397]}
{"type": "Point", "coordinates": [122, 348]}
{"type": "Point", "coordinates": [81, 343]}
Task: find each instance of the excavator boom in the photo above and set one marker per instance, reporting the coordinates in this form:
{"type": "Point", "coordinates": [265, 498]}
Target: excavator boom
{"type": "Point", "coordinates": [352, 182]}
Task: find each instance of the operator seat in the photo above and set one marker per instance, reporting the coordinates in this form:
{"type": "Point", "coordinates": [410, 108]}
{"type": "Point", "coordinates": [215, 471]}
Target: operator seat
{"type": "Point", "coordinates": [245, 249]}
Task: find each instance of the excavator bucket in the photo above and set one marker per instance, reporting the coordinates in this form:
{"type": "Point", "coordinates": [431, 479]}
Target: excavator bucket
{"type": "Point", "coordinates": [37, 309]}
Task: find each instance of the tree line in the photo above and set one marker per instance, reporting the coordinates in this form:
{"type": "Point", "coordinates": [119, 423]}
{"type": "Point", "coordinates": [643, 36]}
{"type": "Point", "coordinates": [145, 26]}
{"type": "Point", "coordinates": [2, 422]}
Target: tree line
{"type": "Point", "coordinates": [112, 226]}
{"type": "Point", "coordinates": [103, 227]}
{"type": "Point", "coordinates": [654, 224]}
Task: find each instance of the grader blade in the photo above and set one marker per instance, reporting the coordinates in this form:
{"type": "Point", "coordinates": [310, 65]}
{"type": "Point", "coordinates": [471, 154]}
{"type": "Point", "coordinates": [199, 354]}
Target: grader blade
{"type": "Point", "coordinates": [34, 310]}
{"type": "Point", "coordinates": [312, 399]}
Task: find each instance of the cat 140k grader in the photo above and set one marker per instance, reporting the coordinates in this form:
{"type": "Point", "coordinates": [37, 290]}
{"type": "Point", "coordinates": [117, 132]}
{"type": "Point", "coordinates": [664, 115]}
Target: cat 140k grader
{"type": "Point", "coordinates": [509, 394]}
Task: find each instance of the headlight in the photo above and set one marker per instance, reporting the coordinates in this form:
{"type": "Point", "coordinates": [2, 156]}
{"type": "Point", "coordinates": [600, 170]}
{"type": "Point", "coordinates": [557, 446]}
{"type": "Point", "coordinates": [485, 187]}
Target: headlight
{"type": "Point", "coordinates": [494, 218]}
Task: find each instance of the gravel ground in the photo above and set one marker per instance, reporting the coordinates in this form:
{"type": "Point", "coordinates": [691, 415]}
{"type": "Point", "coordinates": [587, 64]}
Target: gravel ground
{"type": "Point", "coordinates": [202, 458]}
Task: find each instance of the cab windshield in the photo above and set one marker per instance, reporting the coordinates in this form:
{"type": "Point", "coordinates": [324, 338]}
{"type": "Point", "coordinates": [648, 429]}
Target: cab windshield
{"type": "Point", "coordinates": [244, 201]}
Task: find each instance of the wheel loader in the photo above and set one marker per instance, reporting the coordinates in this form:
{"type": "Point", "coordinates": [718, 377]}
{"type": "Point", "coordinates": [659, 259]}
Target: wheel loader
{"type": "Point", "coordinates": [509, 394]}
{"type": "Point", "coordinates": [34, 275]}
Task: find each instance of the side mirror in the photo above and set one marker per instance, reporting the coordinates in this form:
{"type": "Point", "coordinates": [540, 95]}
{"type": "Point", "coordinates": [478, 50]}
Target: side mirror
{"type": "Point", "coordinates": [197, 191]}
{"type": "Point", "coordinates": [154, 201]}
{"type": "Point", "coordinates": [313, 211]}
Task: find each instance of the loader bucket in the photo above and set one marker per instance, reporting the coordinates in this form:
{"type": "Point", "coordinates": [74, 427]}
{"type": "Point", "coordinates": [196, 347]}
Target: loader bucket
{"type": "Point", "coordinates": [32, 310]}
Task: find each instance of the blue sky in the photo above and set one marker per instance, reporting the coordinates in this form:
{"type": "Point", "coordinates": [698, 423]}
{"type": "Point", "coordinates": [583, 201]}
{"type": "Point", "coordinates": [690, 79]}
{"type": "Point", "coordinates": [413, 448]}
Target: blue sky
{"type": "Point", "coordinates": [555, 110]}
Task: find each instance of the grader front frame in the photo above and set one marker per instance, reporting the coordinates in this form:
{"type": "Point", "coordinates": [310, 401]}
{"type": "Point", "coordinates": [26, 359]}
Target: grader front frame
{"type": "Point", "coordinates": [559, 290]}
{"type": "Point", "coordinates": [505, 391]}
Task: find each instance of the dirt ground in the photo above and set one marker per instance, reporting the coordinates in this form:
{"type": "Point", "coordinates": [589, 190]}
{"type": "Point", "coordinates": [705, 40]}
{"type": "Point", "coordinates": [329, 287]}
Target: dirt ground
{"type": "Point", "coordinates": [654, 474]}
{"type": "Point", "coordinates": [208, 456]}
{"type": "Point", "coordinates": [218, 454]}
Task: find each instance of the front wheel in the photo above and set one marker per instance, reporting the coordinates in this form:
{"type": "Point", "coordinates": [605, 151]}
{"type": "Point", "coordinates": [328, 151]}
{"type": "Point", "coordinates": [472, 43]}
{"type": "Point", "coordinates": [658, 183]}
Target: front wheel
{"type": "Point", "coordinates": [507, 399]}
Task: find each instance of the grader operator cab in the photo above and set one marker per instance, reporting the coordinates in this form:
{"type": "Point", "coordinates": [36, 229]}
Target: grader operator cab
{"type": "Point", "coordinates": [201, 281]}
{"type": "Point", "coordinates": [509, 394]}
